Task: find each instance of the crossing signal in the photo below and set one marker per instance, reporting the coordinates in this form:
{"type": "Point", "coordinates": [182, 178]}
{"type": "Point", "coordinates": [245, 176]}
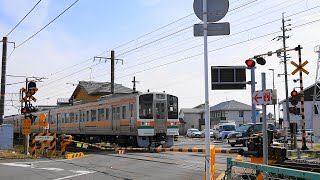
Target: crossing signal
{"type": "Point", "coordinates": [25, 110]}
{"type": "Point", "coordinates": [295, 98]}
{"type": "Point", "coordinates": [250, 63]}
{"type": "Point", "coordinates": [261, 60]}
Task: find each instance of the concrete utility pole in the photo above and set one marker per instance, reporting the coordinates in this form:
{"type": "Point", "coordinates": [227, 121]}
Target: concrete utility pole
{"type": "Point", "coordinates": [274, 105]}
{"type": "Point", "coordinates": [253, 89]}
{"type": "Point", "coordinates": [3, 77]}
{"type": "Point", "coordinates": [112, 59]}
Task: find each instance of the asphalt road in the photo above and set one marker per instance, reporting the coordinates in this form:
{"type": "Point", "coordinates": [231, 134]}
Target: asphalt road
{"type": "Point", "coordinates": [108, 165]}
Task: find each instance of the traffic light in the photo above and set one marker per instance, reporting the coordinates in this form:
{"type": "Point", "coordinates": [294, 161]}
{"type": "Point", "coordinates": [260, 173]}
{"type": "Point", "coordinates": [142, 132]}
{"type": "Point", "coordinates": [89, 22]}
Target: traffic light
{"type": "Point", "coordinates": [294, 110]}
{"type": "Point", "coordinates": [250, 63]}
{"type": "Point", "coordinates": [261, 60]}
{"type": "Point", "coordinates": [295, 98]}
{"type": "Point", "coordinates": [25, 110]}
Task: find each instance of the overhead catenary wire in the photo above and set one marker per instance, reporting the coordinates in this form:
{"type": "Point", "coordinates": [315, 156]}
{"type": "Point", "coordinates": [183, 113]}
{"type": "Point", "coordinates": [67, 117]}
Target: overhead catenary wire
{"type": "Point", "coordinates": [24, 18]}
{"type": "Point", "coordinates": [127, 68]}
{"type": "Point", "coordinates": [47, 24]}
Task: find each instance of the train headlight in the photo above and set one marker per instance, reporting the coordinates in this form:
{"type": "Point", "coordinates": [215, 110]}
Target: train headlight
{"type": "Point", "coordinates": [172, 124]}
{"type": "Point", "coordinates": [147, 123]}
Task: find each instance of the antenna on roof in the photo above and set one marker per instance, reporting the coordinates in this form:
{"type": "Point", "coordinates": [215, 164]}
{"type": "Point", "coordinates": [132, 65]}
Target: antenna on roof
{"type": "Point", "coordinates": [134, 84]}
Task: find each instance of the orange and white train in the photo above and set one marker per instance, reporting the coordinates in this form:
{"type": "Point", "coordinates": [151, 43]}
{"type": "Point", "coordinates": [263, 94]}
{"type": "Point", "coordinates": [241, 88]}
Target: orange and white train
{"type": "Point", "coordinates": [138, 120]}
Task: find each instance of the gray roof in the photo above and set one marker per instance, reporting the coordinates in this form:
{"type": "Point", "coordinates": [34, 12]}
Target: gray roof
{"type": "Point", "coordinates": [191, 110]}
{"type": "Point", "coordinates": [103, 88]}
{"type": "Point", "coordinates": [231, 106]}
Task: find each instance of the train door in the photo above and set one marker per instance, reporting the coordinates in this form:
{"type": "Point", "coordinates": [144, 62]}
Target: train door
{"type": "Point", "coordinates": [160, 121]}
{"type": "Point", "coordinates": [131, 117]}
{"type": "Point", "coordinates": [115, 118]}
{"type": "Point", "coordinates": [59, 122]}
{"type": "Point", "coordinates": [81, 121]}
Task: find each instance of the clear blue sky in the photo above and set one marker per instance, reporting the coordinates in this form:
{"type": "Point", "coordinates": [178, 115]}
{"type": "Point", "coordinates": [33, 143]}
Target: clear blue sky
{"type": "Point", "coordinates": [92, 27]}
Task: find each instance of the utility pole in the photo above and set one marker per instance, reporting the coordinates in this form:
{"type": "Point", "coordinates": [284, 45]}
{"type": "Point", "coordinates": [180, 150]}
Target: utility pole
{"type": "Point", "coordinates": [274, 105]}
{"type": "Point", "coordinates": [112, 59]}
{"type": "Point", "coordinates": [316, 95]}
{"type": "Point", "coordinates": [3, 77]}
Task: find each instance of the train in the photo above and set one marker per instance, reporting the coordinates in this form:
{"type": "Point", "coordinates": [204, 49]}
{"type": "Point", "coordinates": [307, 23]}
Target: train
{"type": "Point", "coordinates": [146, 119]}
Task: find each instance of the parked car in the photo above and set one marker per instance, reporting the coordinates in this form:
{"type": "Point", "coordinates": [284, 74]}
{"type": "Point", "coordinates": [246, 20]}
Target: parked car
{"type": "Point", "coordinates": [242, 133]}
{"type": "Point", "coordinates": [203, 133]}
{"type": "Point", "coordinates": [193, 133]}
{"type": "Point", "coordinates": [224, 129]}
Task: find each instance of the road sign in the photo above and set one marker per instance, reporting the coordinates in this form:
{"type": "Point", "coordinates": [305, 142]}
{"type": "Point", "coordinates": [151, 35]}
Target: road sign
{"type": "Point", "coordinates": [26, 126]}
{"type": "Point", "coordinates": [45, 138]}
{"type": "Point", "coordinates": [263, 97]}
{"type": "Point", "coordinates": [214, 29]}
{"type": "Point", "coordinates": [42, 123]}
{"type": "Point", "coordinates": [298, 68]}
{"type": "Point", "coordinates": [216, 9]}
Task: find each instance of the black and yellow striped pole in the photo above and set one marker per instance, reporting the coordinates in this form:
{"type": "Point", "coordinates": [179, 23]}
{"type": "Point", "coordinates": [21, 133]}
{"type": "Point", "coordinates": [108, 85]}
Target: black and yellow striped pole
{"type": "Point", "coordinates": [33, 147]}
{"type": "Point", "coordinates": [301, 70]}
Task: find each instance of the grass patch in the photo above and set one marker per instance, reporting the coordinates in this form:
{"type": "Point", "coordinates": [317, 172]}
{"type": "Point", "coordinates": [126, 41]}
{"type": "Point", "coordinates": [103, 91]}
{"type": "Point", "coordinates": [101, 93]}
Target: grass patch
{"type": "Point", "coordinates": [317, 146]}
{"type": "Point", "coordinates": [16, 153]}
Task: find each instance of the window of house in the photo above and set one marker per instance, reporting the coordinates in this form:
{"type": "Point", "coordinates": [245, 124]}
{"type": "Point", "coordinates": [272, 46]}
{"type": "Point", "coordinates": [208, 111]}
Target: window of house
{"type": "Point", "coordinates": [240, 113]}
{"type": "Point", "coordinates": [316, 109]}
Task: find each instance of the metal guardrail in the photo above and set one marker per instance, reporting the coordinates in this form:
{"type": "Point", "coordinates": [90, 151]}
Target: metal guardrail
{"type": "Point", "coordinates": [244, 170]}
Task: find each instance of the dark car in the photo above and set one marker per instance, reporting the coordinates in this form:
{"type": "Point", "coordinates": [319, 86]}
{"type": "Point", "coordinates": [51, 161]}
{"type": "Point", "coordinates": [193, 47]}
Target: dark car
{"type": "Point", "coordinates": [242, 133]}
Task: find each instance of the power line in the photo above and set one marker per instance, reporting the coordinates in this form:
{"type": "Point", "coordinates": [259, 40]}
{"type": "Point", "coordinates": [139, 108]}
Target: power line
{"type": "Point", "coordinates": [23, 18]}
{"type": "Point", "coordinates": [47, 24]}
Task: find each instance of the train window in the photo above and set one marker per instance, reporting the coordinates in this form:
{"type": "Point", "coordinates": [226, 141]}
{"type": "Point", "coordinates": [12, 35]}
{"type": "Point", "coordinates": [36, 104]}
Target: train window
{"type": "Point", "coordinates": [100, 114]}
{"type": "Point", "coordinates": [87, 117]}
{"type": "Point", "coordinates": [172, 107]}
{"type": "Point", "coordinates": [118, 113]}
{"type": "Point", "coordinates": [93, 115]}
{"type": "Point", "coordinates": [160, 96]}
{"type": "Point", "coordinates": [59, 118]}
{"type": "Point", "coordinates": [67, 118]}
{"type": "Point", "coordinates": [63, 118]}
{"type": "Point", "coordinates": [107, 114]}
{"type": "Point", "coordinates": [124, 112]}
{"type": "Point", "coordinates": [72, 117]}
{"type": "Point", "coordinates": [145, 106]}
{"type": "Point", "coordinates": [160, 108]}
{"type": "Point", "coordinates": [131, 109]}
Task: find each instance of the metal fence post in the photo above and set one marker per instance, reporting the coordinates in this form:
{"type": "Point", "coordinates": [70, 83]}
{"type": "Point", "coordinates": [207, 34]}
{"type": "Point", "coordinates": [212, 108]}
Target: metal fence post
{"type": "Point", "coordinates": [229, 168]}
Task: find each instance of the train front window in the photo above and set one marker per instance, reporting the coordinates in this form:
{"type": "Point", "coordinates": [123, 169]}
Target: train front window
{"type": "Point", "coordinates": [145, 106]}
{"type": "Point", "coordinates": [172, 107]}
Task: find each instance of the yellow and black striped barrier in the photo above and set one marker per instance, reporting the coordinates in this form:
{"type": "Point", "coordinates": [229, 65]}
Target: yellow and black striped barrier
{"type": "Point", "coordinates": [217, 151]}
{"type": "Point", "coordinates": [74, 155]}
{"type": "Point", "coordinates": [44, 139]}
{"type": "Point", "coordinates": [65, 141]}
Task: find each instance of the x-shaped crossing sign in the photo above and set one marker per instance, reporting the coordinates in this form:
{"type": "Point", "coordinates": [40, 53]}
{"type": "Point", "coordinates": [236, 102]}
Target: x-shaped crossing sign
{"type": "Point", "coordinates": [299, 68]}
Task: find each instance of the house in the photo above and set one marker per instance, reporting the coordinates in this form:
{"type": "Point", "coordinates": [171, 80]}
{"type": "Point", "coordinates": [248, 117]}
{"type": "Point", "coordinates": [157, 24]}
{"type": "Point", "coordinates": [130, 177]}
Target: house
{"type": "Point", "coordinates": [87, 91]}
{"type": "Point", "coordinates": [232, 111]}
{"type": "Point", "coordinates": [311, 110]}
{"type": "Point", "coordinates": [228, 111]}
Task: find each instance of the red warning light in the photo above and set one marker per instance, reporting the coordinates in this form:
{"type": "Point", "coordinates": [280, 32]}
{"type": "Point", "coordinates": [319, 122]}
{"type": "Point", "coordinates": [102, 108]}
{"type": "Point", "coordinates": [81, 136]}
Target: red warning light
{"type": "Point", "coordinates": [250, 63]}
{"type": "Point", "coordinates": [294, 93]}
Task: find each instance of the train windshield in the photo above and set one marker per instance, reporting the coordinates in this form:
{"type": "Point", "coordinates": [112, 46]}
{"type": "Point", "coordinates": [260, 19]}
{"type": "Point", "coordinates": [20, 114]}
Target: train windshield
{"type": "Point", "coordinates": [172, 107]}
{"type": "Point", "coordinates": [145, 106]}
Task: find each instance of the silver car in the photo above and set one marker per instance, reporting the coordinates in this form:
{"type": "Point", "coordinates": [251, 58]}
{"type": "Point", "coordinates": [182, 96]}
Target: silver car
{"type": "Point", "coordinates": [203, 133]}
{"type": "Point", "coordinates": [193, 133]}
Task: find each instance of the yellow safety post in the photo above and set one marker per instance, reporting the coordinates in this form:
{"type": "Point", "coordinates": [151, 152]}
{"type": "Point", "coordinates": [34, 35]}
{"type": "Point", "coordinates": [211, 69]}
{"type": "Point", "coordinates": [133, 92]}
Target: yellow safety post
{"type": "Point", "coordinates": [212, 155]}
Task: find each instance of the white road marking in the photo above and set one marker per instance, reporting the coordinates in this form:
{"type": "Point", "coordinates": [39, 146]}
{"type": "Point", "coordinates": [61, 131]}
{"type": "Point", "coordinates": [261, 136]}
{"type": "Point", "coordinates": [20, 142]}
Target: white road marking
{"type": "Point", "coordinates": [52, 169]}
{"type": "Point", "coordinates": [79, 173]}
{"type": "Point", "coordinates": [18, 165]}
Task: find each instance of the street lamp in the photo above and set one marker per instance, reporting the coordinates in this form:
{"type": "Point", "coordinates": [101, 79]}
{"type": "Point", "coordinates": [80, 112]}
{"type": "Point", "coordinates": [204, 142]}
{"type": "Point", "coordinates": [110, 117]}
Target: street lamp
{"type": "Point", "coordinates": [274, 105]}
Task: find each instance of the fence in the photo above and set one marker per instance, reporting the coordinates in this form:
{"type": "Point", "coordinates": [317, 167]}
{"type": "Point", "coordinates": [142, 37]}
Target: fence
{"type": "Point", "coordinates": [244, 170]}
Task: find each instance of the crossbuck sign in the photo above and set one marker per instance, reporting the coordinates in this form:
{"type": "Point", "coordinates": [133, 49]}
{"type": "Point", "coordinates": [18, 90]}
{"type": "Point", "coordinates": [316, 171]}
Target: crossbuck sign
{"type": "Point", "coordinates": [263, 97]}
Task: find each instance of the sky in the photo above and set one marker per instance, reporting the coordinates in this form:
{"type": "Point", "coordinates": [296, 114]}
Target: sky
{"type": "Point", "coordinates": [154, 39]}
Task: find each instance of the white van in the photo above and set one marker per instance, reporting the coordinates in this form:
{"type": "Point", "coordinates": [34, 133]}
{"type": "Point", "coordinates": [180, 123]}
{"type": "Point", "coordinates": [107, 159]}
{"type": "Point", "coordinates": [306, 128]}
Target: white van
{"type": "Point", "coordinates": [222, 130]}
